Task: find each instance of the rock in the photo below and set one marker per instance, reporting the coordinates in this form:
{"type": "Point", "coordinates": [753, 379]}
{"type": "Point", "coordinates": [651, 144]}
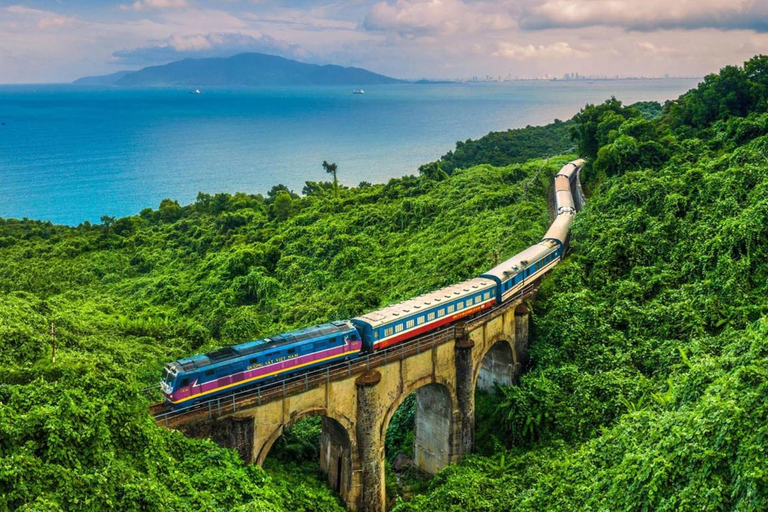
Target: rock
{"type": "Point", "coordinates": [402, 462]}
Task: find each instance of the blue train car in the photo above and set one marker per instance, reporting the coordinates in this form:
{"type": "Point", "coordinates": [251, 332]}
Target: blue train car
{"type": "Point", "coordinates": [512, 275]}
{"type": "Point", "coordinates": [405, 320]}
{"type": "Point", "coordinates": [204, 376]}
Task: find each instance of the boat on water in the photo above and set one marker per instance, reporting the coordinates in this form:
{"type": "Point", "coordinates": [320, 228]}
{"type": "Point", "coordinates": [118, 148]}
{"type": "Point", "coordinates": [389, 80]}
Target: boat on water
{"type": "Point", "coordinates": [196, 91]}
{"type": "Point", "coordinates": [358, 91]}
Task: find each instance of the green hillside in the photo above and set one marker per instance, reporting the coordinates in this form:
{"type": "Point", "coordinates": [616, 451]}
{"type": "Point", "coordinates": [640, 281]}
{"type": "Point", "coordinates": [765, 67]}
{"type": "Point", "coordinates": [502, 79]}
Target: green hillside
{"type": "Point", "coordinates": [131, 294]}
{"type": "Point", "coordinates": [648, 388]}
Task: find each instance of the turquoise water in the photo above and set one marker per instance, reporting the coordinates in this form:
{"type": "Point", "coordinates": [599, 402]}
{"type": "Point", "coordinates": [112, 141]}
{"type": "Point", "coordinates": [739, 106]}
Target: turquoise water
{"type": "Point", "coordinates": [70, 154]}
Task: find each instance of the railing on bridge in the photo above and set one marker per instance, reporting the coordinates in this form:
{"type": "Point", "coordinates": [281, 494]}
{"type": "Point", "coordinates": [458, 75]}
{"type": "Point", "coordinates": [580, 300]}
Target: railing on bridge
{"type": "Point", "coordinates": [230, 403]}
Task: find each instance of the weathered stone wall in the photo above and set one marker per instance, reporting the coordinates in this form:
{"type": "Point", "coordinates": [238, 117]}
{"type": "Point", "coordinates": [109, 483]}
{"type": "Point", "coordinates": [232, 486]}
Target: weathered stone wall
{"type": "Point", "coordinates": [497, 367]}
{"type": "Point", "coordinates": [369, 443]}
{"type": "Point", "coordinates": [235, 432]}
{"type": "Point", "coordinates": [522, 316]}
{"type": "Point", "coordinates": [432, 431]}
{"type": "Point", "coordinates": [335, 456]}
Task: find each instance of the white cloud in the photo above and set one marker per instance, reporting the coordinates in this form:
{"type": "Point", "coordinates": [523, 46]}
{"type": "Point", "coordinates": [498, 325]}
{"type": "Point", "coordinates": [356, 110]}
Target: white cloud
{"type": "Point", "coordinates": [144, 5]}
{"type": "Point", "coordinates": [43, 20]}
{"type": "Point", "coordinates": [655, 50]}
{"type": "Point", "coordinates": [559, 50]}
{"type": "Point", "coordinates": [403, 38]}
{"type": "Point", "coordinates": [414, 18]}
{"type": "Point", "coordinates": [647, 14]}
{"type": "Point", "coordinates": [215, 44]}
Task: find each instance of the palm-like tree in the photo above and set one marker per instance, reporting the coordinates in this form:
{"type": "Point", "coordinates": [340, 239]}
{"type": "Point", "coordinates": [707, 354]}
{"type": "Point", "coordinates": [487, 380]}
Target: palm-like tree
{"type": "Point", "coordinates": [331, 169]}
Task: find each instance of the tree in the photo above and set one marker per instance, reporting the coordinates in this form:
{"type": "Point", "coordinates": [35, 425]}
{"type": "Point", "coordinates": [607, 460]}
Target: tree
{"type": "Point", "coordinates": [282, 206]}
{"type": "Point", "coordinates": [107, 221]}
{"type": "Point", "coordinates": [170, 211]}
{"type": "Point", "coordinates": [316, 188]}
{"type": "Point", "coordinates": [331, 169]}
{"type": "Point", "coordinates": [433, 171]}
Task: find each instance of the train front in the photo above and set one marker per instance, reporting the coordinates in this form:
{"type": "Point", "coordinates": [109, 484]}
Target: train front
{"type": "Point", "coordinates": [168, 381]}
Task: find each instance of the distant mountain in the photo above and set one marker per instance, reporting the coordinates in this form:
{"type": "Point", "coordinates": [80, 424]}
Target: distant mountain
{"type": "Point", "coordinates": [243, 69]}
{"type": "Point", "coordinates": [103, 79]}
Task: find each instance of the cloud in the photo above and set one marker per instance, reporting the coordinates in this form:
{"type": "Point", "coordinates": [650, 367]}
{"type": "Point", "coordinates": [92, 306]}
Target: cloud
{"type": "Point", "coordinates": [647, 15]}
{"type": "Point", "coordinates": [553, 51]}
{"type": "Point", "coordinates": [43, 20]}
{"type": "Point", "coordinates": [654, 49]}
{"type": "Point", "coordinates": [151, 5]}
{"type": "Point", "coordinates": [422, 18]}
{"type": "Point", "coordinates": [215, 44]}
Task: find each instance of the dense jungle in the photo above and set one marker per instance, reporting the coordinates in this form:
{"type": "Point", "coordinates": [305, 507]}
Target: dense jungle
{"type": "Point", "coordinates": [646, 384]}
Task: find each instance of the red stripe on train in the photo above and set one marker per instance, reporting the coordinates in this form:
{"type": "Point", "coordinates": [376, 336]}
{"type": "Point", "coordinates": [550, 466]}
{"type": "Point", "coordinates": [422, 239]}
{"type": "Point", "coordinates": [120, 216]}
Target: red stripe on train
{"type": "Point", "coordinates": [388, 342]}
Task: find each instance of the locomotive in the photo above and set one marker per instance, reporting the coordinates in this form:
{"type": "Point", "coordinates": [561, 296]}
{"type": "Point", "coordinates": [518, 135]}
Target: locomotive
{"type": "Point", "coordinates": [204, 376]}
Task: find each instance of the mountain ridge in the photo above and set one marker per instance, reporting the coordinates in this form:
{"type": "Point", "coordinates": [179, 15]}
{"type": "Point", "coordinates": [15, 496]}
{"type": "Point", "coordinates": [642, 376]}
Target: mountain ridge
{"type": "Point", "coordinates": [244, 69]}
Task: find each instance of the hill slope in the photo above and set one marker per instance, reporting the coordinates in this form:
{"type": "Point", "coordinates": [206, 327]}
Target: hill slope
{"type": "Point", "coordinates": [110, 79]}
{"type": "Point", "coordinates": [649, 370]}
{"type": "Point", "coordinates": [129, 296]}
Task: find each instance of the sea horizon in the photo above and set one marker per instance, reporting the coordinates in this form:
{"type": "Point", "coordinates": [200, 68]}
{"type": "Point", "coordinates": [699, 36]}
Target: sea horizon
{"type": "Point", "coordinates": [71, 153]}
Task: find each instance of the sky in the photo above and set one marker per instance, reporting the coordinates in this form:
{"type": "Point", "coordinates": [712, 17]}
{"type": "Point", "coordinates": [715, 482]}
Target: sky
{"type": "Point", "coordinates": [61, 40]}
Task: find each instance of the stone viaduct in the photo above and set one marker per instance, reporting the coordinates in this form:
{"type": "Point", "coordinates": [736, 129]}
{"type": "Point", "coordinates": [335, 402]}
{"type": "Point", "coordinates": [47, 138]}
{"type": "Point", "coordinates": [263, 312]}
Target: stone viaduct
{"type": "Point", "coordinates": [357, 401]}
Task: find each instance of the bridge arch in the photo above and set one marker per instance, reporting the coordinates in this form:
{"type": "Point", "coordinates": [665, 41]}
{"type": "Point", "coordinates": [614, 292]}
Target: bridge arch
{"type": "Point", "coordinates": [435, 423]}
{"type": "Point", "coordinates": [337, 446]}
{"type": "Point", "coordinates": [496, 364]}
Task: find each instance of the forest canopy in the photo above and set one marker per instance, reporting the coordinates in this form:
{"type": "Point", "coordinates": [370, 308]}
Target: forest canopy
{"type": "Point", "coordinates": [131, 294]}
{"type": "Point", "coordinates": [648, 377]}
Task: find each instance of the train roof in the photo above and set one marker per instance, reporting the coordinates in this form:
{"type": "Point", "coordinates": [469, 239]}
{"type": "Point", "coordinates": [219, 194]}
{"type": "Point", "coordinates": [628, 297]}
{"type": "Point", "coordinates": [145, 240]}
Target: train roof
{"type": "Point", "coordinates": [558, 231]}
{"type": "Point", "coordinates": [424, 302]}
{"type": "Point", "coordinates": [562, 184]}
{"type": "Point", "coordinates": [568, 169]}
{"type": "Point", "coordinates": [520, 260]}
{"type": "Point", "coordinates": [227, 354]}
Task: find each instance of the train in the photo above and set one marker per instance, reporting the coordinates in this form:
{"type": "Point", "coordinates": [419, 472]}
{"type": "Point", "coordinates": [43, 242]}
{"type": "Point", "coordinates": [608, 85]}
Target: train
{"type": "Point", "coordinates": [188, 381]}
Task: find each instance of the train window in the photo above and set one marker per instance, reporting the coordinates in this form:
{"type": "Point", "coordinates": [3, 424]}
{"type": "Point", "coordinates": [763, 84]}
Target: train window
{"type": "Point", "coordinates": [208, 373]}
{"type": "Point", "coordinates": [451, 308]}
{"type": "Point", "coordinates": [376, 335]}
{"type": "Point", "coordinates": [184, 382]}
{"type": "Point", "coordinates": [410, 323]}
{"type": "Point", "coordinates": [440, 312]}
{"type": "Point", "coordinates": [389, 331]}
{"type": "Point", "coordinates": [253, 361]}
{"type": "Point", "coordinates": [399, 328]}
{"type": "Point", "coordinates": [291, 350]}
{"type": "Point", "coordinates": [431, 316]}
{"type": "Point", "coordinates": [420, 320]}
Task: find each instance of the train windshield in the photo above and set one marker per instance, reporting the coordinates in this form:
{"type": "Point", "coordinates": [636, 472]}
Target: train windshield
{"type": "Point", "coordinates": [168, 375]}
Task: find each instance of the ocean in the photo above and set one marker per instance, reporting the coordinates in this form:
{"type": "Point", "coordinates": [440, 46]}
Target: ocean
{"type": "Point", "coordinates": [70, 154]}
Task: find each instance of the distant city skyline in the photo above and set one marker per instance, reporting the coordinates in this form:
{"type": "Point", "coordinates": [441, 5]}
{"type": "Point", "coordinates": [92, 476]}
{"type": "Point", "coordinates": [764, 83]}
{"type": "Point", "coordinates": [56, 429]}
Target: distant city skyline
{"type": "Point", "coordinates": [61, 40]}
